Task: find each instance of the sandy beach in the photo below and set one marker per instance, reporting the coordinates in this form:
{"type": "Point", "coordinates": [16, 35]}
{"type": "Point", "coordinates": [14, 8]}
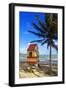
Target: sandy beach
{"type": "Point", "coordinates": [41, 71]}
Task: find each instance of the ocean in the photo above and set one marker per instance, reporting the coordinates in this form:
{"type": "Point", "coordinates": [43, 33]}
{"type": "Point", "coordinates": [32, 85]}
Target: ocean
{"type": "Point", "coordinates": [42, 58]}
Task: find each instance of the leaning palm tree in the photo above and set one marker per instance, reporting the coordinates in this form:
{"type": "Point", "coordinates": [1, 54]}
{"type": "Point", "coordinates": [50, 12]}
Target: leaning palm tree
{"type": "Point", "coordinates": [47, 32]}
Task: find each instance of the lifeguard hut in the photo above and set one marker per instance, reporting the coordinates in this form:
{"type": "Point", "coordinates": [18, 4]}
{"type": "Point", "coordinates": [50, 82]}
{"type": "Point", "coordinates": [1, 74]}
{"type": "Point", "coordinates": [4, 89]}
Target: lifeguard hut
{"type": "Point", "coordinates": [32, 54]}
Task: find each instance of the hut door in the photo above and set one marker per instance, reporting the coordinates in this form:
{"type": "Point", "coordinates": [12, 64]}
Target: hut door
{"type": "Point", "coordinates": [30, 54]}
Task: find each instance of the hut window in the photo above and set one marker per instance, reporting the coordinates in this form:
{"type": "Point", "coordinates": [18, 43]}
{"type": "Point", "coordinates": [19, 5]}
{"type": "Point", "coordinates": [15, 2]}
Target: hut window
{"type": "Point", "coordinates": [30, 54]}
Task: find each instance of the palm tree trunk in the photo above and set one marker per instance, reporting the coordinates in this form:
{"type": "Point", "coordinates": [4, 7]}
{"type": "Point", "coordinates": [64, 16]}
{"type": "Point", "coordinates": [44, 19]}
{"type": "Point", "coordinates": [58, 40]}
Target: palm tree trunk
{"type": "Point", "coordinates": [50, 66]}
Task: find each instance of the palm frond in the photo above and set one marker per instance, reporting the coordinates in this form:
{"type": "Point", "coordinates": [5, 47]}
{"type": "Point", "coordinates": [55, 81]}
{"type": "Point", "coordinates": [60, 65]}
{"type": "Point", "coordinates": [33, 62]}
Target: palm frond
{"type": "Point", "coordinates": [47, 32]}
{"type": "Point", "coordinates": [39, 41]}
{"type": "Point", "coordinates": [51, 20]}
{"type": "Point", "coordinates": [42, 24]}
{"type": "Point", "coordinates": [48, 44]}
{"type": "Point", "coordinates": [55, 46]}
{"type": "Point", "coordinates": [55, 37]}
{"type": "Point", "coordinates": [38, 34]}
{"type": "Point", "coordinates": [38, 28]}
{"type": "Point", "coordinates": [45, 41]}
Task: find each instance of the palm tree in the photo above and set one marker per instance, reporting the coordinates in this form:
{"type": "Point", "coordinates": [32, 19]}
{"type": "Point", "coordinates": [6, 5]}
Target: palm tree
{"type": "Point", "coordinates": [47, 32]}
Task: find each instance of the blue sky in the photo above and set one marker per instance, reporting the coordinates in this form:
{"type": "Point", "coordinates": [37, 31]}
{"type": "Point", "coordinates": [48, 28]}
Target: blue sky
{"type": "Point", "coordinates": [25, 24]}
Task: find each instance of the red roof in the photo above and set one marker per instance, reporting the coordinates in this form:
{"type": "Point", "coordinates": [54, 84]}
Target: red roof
{"type": "Point", "coordinates": [31, 47]}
